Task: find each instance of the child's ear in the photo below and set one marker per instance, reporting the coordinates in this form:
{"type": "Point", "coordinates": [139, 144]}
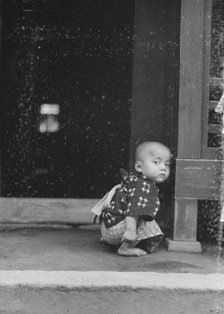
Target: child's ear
{"type": "Point", "coordinates": [138, 166]}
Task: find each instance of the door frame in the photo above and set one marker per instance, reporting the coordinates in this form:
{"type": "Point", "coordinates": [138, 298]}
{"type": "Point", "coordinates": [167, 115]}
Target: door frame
{"type": "Point", "coordinates": [75, 211]}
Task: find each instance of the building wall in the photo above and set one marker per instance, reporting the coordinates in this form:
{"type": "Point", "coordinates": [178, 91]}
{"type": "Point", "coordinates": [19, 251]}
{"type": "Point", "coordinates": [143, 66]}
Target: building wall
{"type": "Point", "coordinates": [77, 54]}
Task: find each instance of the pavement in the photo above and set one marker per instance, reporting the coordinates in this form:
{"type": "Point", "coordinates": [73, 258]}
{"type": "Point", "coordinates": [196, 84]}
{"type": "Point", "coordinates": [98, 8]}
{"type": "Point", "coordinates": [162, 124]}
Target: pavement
{"type": "Point", "coordinates": [70, 258]}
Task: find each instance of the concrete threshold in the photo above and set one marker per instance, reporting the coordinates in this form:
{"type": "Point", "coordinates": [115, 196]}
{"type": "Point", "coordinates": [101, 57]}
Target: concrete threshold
{"type": "Point", "coordinates": [93, 280]}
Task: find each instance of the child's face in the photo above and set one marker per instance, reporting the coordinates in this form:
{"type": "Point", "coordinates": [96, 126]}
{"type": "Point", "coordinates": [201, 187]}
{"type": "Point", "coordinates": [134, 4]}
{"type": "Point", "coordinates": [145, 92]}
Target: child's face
{"type": "Point", "coordinates": [155, 164]}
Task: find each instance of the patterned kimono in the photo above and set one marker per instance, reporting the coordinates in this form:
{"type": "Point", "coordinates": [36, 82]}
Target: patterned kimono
{"type": "Point", "coordinates": [137, 197]}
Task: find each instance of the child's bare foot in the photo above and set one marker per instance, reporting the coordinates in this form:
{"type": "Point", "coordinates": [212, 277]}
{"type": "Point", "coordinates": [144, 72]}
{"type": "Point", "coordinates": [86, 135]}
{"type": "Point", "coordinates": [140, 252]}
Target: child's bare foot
{"type": "Point", "coordinates": [131, 252]}
{"type": "Point", "coordinates": [128, 249]}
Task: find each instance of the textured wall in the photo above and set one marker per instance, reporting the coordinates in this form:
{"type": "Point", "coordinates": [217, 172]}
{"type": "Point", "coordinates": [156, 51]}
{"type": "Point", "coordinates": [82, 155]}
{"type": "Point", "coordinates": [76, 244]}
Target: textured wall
{"type": "Point", "coordinates": [77, 54]}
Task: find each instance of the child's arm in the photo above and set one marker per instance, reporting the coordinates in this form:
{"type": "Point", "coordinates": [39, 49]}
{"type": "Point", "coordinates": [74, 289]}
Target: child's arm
{"type": "Point", "coordinates": [130, 234]}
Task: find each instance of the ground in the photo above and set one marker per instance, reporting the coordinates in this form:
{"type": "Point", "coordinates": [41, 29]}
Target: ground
{"type": "Point", "coordinates": [77, 248]}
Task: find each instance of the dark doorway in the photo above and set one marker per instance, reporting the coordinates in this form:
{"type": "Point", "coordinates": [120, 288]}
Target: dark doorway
{"type": "Point", "coordinates": [76, 55]}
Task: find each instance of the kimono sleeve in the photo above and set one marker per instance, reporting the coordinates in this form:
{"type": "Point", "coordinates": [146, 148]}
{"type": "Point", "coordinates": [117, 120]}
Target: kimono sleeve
{"type": "Point", "coordinates": [142, 199]}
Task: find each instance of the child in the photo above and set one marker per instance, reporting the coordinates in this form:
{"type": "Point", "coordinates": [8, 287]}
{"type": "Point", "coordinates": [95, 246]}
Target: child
{"type": "Point", "coordinates": [127, 220]}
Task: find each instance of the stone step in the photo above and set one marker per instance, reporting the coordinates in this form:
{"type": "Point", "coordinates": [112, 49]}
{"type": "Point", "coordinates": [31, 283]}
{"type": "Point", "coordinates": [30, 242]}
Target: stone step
{"type": "Point", "coordinates": [110, 292]}
{"type": "Point", "coordinates": [71, 280]}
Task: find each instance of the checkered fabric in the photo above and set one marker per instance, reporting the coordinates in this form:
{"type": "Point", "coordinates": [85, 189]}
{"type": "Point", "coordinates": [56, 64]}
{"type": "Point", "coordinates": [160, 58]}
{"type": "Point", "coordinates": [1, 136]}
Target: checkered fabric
{"type": "Point", "coordinates": [145, 230]}
{"type": "Point", "coordinates": [137, 196]}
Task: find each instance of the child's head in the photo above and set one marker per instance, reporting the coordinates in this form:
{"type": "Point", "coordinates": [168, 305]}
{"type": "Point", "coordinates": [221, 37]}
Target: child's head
{"type": "Point", "coordinates": [152, 159]}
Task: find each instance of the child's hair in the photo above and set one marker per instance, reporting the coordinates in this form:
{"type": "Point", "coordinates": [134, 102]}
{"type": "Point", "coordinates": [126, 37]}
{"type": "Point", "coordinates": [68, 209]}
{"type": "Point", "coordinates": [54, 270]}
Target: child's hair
{"type": "Point", "coordinates": [142, 146]}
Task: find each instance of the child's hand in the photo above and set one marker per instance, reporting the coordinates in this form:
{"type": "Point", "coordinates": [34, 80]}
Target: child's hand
{"type": "Point", "coordinates": [129, 235]}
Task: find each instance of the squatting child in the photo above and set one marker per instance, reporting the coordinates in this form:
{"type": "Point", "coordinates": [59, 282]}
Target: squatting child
{"type": "Point", "coordinates": [127, 220]}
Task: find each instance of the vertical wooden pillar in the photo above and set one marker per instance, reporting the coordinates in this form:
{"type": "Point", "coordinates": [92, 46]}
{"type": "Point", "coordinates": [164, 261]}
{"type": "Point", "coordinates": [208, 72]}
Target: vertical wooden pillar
{"type": "Point", "coordinates": [184, 237]}
{"type": "Point", "coordinates": [149, 58]}
{"type": "Point", "coordinates": [185, 220]}
{"type": "Point", "coordinates": [193, 14]}
{"type": "Point", "coordinates": [191, 78]}
{"type": "Point", "coordinates": [155, 73]}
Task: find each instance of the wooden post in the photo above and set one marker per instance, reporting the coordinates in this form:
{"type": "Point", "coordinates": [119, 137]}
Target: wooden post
{"type": "Point", "coordinates": [193, 15]}
{"type": "Point", "coordinates": [149, 59]}
{"type": "Point", "coordinates": [191, 76]}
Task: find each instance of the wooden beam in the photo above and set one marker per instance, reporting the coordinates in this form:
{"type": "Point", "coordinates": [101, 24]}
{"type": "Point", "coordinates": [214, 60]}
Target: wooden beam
{"type": "Point", "coordinates": [43, 210]}
{"type": "Point", "coordinates": [198, 179]}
